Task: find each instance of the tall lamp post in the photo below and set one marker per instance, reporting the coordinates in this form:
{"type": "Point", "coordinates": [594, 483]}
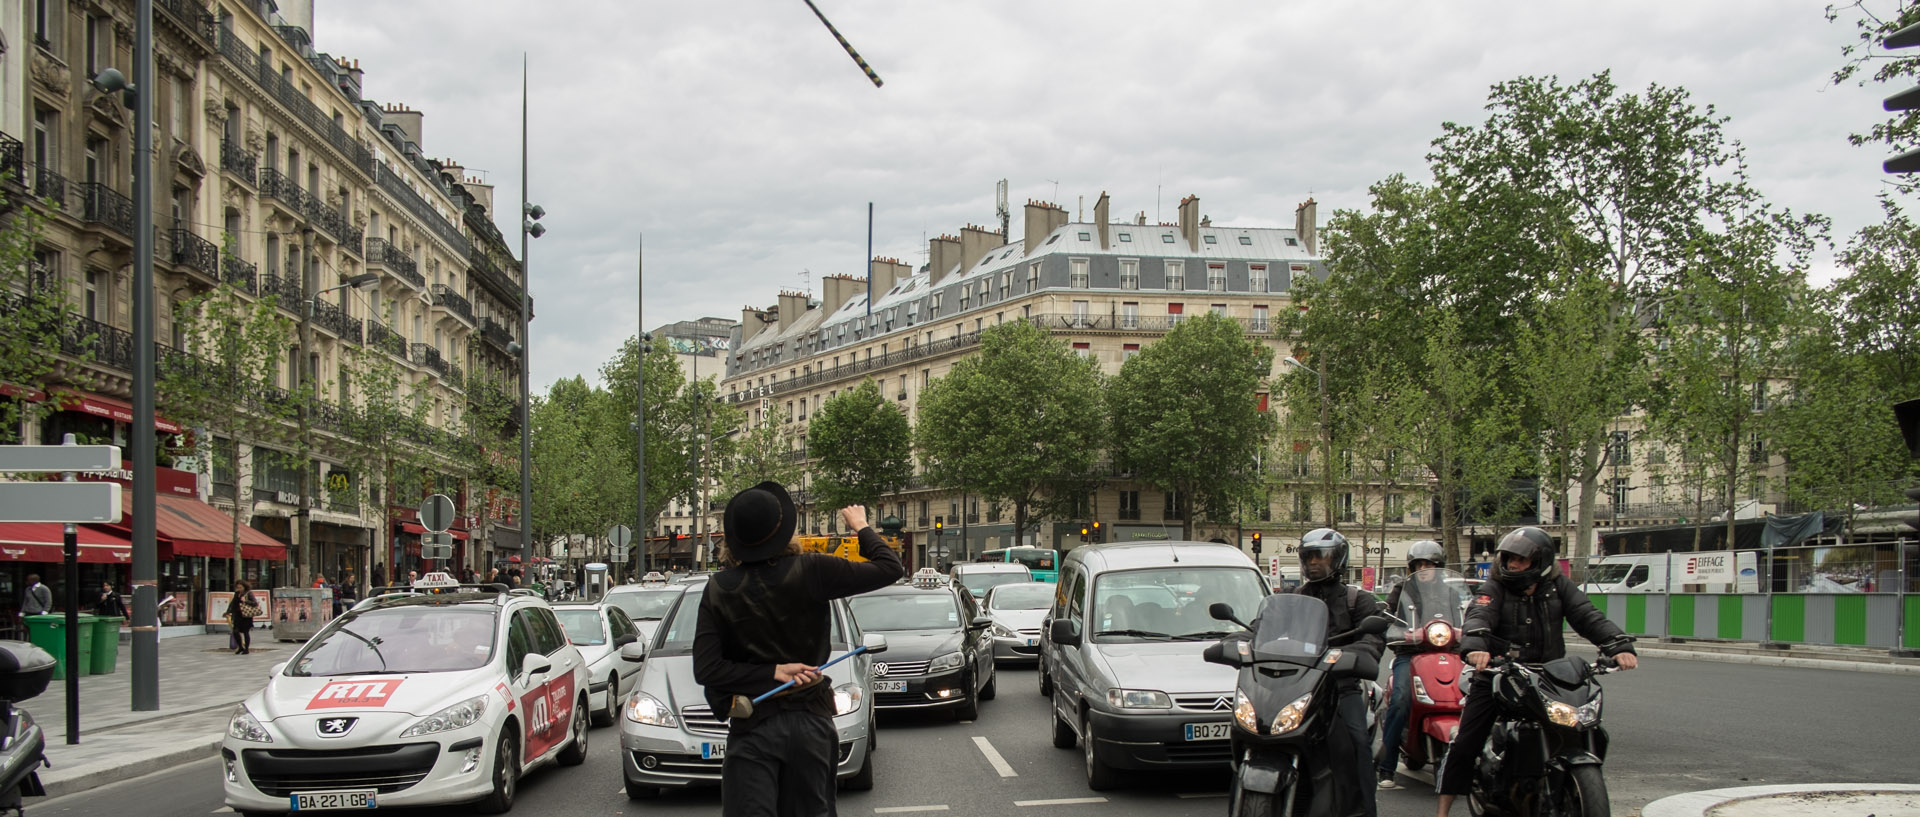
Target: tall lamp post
{"type": "Point", "coordinates": [1326, 434]}
{"type": "Point", "coordinates": [530, 215]}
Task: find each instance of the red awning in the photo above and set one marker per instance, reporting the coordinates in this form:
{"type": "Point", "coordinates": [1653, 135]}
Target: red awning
{"type": "Point", "coordinates": [46, 542]}
{"type": "Point", "coordinates": [417, 529]}
{"type": "Point", "coordinates": [194, 528]}
{"type": "Point", "coordinates": [114, 410]}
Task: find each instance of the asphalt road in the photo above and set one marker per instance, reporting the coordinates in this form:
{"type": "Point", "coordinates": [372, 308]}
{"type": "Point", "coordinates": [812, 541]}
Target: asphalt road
{"type": "Point", "coordinates": [1677, 726]}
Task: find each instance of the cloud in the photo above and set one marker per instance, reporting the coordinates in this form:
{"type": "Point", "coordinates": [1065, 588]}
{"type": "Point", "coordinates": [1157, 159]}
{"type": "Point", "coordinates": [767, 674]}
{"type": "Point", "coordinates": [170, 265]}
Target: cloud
{"type": "Point", "coordinates": [745, 145]}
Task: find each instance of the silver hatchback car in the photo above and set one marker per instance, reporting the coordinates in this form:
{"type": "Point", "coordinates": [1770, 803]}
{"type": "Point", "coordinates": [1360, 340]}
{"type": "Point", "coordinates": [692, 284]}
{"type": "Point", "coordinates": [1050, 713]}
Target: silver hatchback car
{"type": "Point", "coordinates": [670, 738]}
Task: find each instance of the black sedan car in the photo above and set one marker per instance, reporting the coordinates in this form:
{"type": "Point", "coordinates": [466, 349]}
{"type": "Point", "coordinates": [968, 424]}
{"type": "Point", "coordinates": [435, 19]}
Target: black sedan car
{"type": "Point", "coordinates": [939, 653]}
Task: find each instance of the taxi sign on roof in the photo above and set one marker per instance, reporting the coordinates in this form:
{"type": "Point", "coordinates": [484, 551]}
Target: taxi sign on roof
{"type": "Point", "coordinates": [436, 579]}
{"type": "Point", "coordinates": [928, 577]}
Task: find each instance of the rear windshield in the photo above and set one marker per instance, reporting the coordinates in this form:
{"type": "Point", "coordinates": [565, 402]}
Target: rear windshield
{"type": "Point", "coordinates": [1023, 597]}
{"type": "Point", "coordinates": [644, 605]}
{"type": "Point", "coordinates": [583, 626]}
{"type": "Point", "coordinates": [406, 639]}
{"type": "Point", "coordinates": [906, 611]}
{"type": "Point", "coordinates": [982, 582]}
{"type": "Point", "coordinates": [1033, 558]}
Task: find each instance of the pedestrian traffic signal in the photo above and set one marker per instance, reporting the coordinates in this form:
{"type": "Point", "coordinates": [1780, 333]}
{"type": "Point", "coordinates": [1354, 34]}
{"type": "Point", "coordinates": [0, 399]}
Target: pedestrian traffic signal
{"type": "Point", "coordinates": [1256, 543]}
{"type": "Point", "coordinates": [1906, 100]}
{"type": "Point", "coordinates": [939, 524]}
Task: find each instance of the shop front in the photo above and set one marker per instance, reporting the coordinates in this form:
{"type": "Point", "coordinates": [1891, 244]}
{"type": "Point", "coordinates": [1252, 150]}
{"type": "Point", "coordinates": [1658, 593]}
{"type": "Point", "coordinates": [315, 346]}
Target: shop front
{"type": "Point", "coordinates": [39, 549]}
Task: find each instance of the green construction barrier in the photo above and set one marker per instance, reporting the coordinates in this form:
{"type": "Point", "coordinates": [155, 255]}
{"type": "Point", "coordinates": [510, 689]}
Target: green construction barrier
{"type": "Point", "coordinates": [1680, 610]}
{"type": "Point", "coordinates": [1850, 620]}
{"type": "Point", "coordinates": [1599, 601]}
{"type": "Point", "coordinates": [1913, 621]}
{"type": "Point", "coordinates": [1789, 617]}
{"type": "Point", "coordinates": [1732, 617]}
{"type": "Point", "coordinates": [106, 645]}
{"type": "Point", "coordinates": [1637, 615]}
{"type": "Point", "coordinates": [49, 632]}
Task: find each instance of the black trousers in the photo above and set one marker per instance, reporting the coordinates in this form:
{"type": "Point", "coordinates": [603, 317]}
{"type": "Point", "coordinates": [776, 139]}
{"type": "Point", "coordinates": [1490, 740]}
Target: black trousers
{"type": "Point", "coordinates": [1350, 755]}
{"type": "Point", "coordinates": [784, 767]}
{"type": "Point", "coordinates": [1455, 775]}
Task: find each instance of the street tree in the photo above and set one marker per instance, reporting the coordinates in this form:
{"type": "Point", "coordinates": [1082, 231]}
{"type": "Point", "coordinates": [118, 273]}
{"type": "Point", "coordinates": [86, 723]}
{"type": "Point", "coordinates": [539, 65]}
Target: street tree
{"type": "Point", "coordinates": [862, 448]}
{"type": "Point", "coordinates": [565, 493]}
{"type": "Point", "coordinates": [387, 441]}
{"type": "Point", "coordinates": [769, 452]}
{"type": "Point", "coordinates": [671, 425]}
{"type": "Point", "coordinates": [33, 319]}
{"type": "Point", "coordinates": [1187, 419]}
{"type": "Point", "coordinates": [1863, 61]}
{"type": "Point", "coordinates": [1021, 422]}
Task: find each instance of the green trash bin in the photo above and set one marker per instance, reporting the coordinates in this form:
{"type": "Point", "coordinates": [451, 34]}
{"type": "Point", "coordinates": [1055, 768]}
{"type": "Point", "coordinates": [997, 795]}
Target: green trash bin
{"type": "Point", "coordinates": [106, 644]}
{"type": "Point", "coordinates": [49, 632]}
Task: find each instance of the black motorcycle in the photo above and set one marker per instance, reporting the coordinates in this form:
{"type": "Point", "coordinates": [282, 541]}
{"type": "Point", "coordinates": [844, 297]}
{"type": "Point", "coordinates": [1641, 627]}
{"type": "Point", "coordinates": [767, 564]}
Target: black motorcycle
{"type": "Point", "coordinates": [24, 672]}
{"type": "Point", "coordinates": [1545, 754]}
{"type": "Point", "coordinates": [1284, 704]}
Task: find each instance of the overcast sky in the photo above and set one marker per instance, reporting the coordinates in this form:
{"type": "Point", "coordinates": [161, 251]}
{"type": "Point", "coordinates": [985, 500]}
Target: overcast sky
{"type": "Point", "coordinates": [745, 144]}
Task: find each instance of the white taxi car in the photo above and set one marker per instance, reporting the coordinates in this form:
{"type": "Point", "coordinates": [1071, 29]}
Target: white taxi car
{"type": "Point", "coordinates": [447, 696]}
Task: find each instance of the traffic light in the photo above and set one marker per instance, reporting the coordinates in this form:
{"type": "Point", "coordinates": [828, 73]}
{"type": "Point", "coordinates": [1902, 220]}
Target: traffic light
{"type": "Point", "coordinates": [939, 524]}
{"type": "Point", "coordinates": [1906, 100]}
{"type": "Point", "coordinates": [1097, 537]}
{"type": "Point", "coordinates": [1256, 543]}
{"type": "Point", "coordinates": [1907, 414]}
{"type": "Point", "coordinates": [1912, 520]}
{"type": "Point", "coordinates": [1085, 532]}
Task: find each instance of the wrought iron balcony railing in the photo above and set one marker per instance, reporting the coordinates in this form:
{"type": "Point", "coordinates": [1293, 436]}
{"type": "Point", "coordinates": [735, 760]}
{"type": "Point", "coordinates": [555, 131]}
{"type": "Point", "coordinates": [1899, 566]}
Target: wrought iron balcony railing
{"type": "Point", "coordinates": [492, 277]}
{"type": "Point", "coordinates": [397, 189]}
{"type": "Point", "coordinates": [286, 288]}
{"type": "Point", "coordinates": [443, 296]}
{"type": "Point", "coordinates": [49, 185]}
{"type": "Point", "coordinates": [236, 160]}
{"type": "Point", "coordinates": [382, 253]}
{"type": "Point", "coordinates": [381, 337]}
{"type": "Point", "coordinates": [13, 159]}
{"type": "Point", "coordinates": [242, 274]}
{"type": "Point", "coordinates": [99, 204]}
{"type": "Point", "coordinates": [196, 253]}
{"type": "Point", "coordinates": [495, 332]}
{"type": "Point", "coordinates": [263, 72]}
{"type": "Point", "coordinates": [191, 17]}
{"type": "Point", "coordinates": [426, 355]}
{"type": "Point", "coordinates": [334, 319]}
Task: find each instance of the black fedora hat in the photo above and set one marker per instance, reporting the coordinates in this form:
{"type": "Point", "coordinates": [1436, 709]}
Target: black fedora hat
{"type": "Point", "coordinates": [760, 522]}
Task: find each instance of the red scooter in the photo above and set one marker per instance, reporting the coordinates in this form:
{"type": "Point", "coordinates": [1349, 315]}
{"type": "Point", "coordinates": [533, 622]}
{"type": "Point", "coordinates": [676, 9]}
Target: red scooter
{"type": "Point", "coordinates": [1432, 611]}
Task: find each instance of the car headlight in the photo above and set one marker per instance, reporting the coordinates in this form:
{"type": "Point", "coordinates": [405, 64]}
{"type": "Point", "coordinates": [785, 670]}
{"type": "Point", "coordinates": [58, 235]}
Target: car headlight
{"type": "Point", "coordinates": [1439, 634]}
{"type": "Point", "coordinates": [951, 660]}
{"type": "Point", "coordinates": [1138, 699]}
{"type": "Point", "coordinates": [463, 714]}
{"type": "Point", "coordinates": [649, 710]}
{"type": "Point", "coordinates": [1291, 715]}
{"type": "Point", "coordinates": [1562, 714]}
{"type": "Point", "coordinates": [846, 699]}
{"type": "Point", "coordinates": [1243, 712]}
{"type": "Point", "coordinates": [243, 726]}
{"type": "Point", "coordinates": [1590, 713]}
{"type": "Point", "coordinates": [1003, 631]}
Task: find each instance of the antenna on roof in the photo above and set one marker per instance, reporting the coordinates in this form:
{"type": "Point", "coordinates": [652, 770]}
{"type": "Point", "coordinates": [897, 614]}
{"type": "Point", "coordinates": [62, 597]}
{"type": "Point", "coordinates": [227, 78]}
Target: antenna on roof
{"type": "Point", "coordinates": [806, 281]}
{"type": "Point", "coordinates": [1000, 206]}
{"type": "Point", "coordinates": [1056, 191]}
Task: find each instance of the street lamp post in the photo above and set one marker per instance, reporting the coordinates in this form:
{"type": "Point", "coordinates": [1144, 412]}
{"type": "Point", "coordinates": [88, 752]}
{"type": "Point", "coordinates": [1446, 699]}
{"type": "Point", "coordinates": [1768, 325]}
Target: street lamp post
{"type": "Point", "coordinates": [530, 215]}
{"type": "Point", "coordinates": [1326, 434]}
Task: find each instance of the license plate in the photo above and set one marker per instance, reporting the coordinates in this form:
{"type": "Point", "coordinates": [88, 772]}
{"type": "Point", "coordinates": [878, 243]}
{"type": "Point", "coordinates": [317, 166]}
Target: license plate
{"type": "Point", "coordinates": [1207, 731]}
{"type": "Point", "coordinates": [713, 751]}
{"type": "Point", "coordinates": [889, 686]}
{"type": "Point", "coordinates": [320, 800]}
{"type": "Point", "coordinates": [1033, 642]}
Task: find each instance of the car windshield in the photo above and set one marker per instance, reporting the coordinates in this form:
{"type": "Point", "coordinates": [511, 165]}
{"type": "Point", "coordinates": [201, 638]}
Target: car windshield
{"type": "Point", "coordinates": [1023, 597]}
{"type": "Point", "coordinates": [1169, 603]}
{"type": "Point", "coordinates": [405, 638]}
{"type": "Point", "coordinates": [582, 625]}
{"type": "Point", "coordinates": [677, 632]}
{"type": "Point", "coordinates": [979, 583]}
{"type": "Point", "coordinates": [1608, 574]}
{"type": "Point", "coordinates": [1033, 558]}
{"type": "Point", "coordinates": [906, 611]}
{"type": "Point", "coordinates": [644, 605]}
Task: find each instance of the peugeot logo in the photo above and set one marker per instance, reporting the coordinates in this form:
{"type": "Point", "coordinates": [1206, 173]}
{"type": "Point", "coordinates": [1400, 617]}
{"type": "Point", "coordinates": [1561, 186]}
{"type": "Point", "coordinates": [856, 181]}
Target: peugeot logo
{"type": "Point", "coordinates": [336, 727]}
{"type": "Point", "coordinates": [880, 669]}
{"type": "Point", "coordinates": [1222, 704]}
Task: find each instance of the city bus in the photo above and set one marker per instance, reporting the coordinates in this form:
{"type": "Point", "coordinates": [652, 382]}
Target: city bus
{"type": "Point", "coordinates": [1044, 563]}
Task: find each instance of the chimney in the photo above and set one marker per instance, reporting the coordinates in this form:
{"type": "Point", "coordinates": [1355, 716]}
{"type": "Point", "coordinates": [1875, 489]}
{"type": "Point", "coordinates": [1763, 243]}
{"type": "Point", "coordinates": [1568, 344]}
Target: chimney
{"type": "Point", "coordinates": [884, 273]}
{"type": "Point", "coordinates": [1042, 219]}
{"type": "Point", "coordinates": [943, 254]}
{"type": "Point", "coordinates": [792, 306]}
{"type": "Point", "coordinates": [353, 70]}
{"type": "Point", "coordinates": [1056, 218]}
{"type": "Point", "coordinates": [1190, 222]}
{"type": "Point", "coordinates": [976, 243]}
{"type": "Point", "coordinates": [1305, 218]}
{"type": "Point", "coordinates": [408, 121]}
{"type": "Point", "coordinates": [1100, 218]}
{"type": "Point", "coordinates": [837, 290]}
{"type": "Point", "coordinates": [751, 322]}
{"type": "Point", "coordinates": [1141, 219]}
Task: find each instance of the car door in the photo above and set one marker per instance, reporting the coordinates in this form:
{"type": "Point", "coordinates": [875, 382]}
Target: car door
{"type": "Point", "coordinates": [618, 624]}
{"type": "Point", "coordinates": [1069, 666]}
{"type": "Point", "coordinates": [548, 699]}
{"type": "Point", "coordinates": [978, 643]}
{"type": "Point", "coordinates": [526, 693]}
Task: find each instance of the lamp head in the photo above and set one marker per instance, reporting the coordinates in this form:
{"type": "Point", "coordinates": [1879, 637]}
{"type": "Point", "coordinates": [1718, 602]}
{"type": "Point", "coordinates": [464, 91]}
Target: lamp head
{"type": "Point", "coordinates": [535, 229]}
{"type": "Point", "coordinates": [365, 280]}
{"type": "Point", "coordinates": [536, 211]}
{"type": "Point", "coordinates": [513, 348]}
{"type": "Point", "coordinates": [110, 81]}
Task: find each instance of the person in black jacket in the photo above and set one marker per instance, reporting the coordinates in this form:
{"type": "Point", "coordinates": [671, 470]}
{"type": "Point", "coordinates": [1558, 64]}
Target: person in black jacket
{"type": "Point", "coordinates": [1524, 606]}
{"type": "Point", "coordinates": [1323, 570]}
{"type": "Point", "coordinates": [1425, 554]}
{"type": "Point", "coordinates": [763, 621]}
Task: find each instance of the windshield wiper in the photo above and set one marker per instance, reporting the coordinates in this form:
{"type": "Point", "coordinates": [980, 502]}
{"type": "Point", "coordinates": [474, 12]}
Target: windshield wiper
{"type": "Point", "coordinates": [1204, 635]}
{"type": "Point", "coordinates": [1133, 633]}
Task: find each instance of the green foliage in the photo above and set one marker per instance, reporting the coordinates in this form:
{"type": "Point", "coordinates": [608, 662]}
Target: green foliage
{"type": "Point", "coordinates": [388, 443]}
{"type": "Point", "coordinates": [1020, 422]}
{"type": "Point", "coordinates": [862, 447]}
{"type": "Point", "coordinates": [33, 311]}
{"type": "Point", "coordinates": [768, 452]}
{"type": "Point", "coordinates": [1186, 417]}
{"type": "Point", "coordinates": [1872, 22]}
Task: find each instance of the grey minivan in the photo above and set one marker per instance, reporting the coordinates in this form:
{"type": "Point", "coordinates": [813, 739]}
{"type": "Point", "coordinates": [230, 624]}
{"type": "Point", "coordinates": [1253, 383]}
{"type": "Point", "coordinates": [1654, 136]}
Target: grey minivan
{"type": "Point", "coordinates": [1121, 654]}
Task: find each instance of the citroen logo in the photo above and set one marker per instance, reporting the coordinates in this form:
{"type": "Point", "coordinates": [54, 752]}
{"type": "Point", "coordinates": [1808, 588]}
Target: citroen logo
{"type": "Point", "coordinates": [336, 727]}
{"type": "Point", "coordinates": [880, 669]}
{"type": "Point", "coordinates": [1222, 704]}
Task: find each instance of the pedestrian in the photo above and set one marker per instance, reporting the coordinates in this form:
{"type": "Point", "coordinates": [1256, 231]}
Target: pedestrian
{"type": "Point", "coordinates": [764, 621]}
{"type": "Point", "coordinates": [379, 580]}
{"type": "Point", "coordinates": [493, 575]}
{"type": "Point", "coordinates": [348, 594]}
{"type": "Point", "coordinates": [412, 576]}
{"type": "Point", "coordinates": [109, 603]}
{"type": "Point", "coordinates": [39, 600]}
{"type": "Point", "coordinates": [240, 616]}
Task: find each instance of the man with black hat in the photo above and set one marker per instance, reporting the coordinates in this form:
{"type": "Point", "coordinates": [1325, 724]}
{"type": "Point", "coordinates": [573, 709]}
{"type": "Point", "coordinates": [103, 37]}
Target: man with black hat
{"type": "Point", "coordinates": [764, 621]}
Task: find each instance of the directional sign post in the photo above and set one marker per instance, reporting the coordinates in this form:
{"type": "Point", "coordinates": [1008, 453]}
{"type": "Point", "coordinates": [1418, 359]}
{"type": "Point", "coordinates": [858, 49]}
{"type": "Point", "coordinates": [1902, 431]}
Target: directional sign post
{"type": "Point", "coordinates": [436, 515]}
{"type": "Point", "coordinates": [619, 536]}
{"type": "Point", "coordinates": [436, 546]}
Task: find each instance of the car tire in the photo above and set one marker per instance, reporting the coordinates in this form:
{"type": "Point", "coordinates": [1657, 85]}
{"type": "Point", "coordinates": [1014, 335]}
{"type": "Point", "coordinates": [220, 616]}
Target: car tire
{"type": "Point", "coordinates": [635, 791]}
{"type": "Point", "coordinates": [576, 751]}
{"type": "Point", "coordinates": [1100, 776]}
{"type": "Point", "coordinates": [506, 773]}
{"type": "Point", "coordinates": [968, 709]}
{"type": "Point", "coordinates": [1046, 681]}
{"type": "Point", "coordinates": [1063, 737]}
{"type": "Point", "coordinates": [612, 711]}
{"type": "Point", "coordinates": [992, 688]}
{"type": "Point", "coordinates": [873, 733]}
{"type": "Point", "coordinates": [863, 781]}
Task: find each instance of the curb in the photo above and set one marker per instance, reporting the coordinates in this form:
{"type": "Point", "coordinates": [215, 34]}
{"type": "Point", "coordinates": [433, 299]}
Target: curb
{"type": "Point", "coordinates": [1780, 661]}
{"type": "Point", "coordinates": [89, 776]}
{"type": "Point", "coordinates": [1697, 804]}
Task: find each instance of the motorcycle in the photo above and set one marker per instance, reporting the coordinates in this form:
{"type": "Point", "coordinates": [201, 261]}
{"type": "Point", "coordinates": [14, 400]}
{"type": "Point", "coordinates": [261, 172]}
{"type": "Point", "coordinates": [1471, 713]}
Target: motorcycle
{"type": "Point", "coordinates": [24, 672]}
{"type": "Point", "coordinates": [1284, 703]}
{"type": "Point", "coordinates": [1545, 754]}
{"type": "Point", "coordinates": [1429, 628]}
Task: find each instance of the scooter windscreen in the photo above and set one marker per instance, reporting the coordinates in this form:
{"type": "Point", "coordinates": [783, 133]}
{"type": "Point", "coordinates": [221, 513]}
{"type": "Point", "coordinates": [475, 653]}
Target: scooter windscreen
{"type": "Point", "coordinates": [1290, 628]}
{"type": "Point", "coordinates": [1434, 594]}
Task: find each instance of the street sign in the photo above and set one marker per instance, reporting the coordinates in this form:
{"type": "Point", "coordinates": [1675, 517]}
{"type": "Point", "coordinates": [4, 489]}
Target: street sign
{"type": "Point", "coordinates": [620, 535]}
{"type": "Point", "coordinates": [436, 513]}
{"type": "Point", "coordinates": [436, 546]}
{"type": "Point", "coordinates": [78, 502]}
{"type": "Point", "coordinates": [59, 458]}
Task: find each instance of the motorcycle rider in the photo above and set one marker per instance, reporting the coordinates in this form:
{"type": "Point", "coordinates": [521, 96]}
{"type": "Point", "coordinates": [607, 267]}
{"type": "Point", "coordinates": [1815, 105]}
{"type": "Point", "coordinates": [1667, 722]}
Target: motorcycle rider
{"type": "Point", "coordinates": [1422, 555]}
{"type": "Point", "coordinates": [1323, 569]}
{"type": "Point", "coordinates": [1526, 605]}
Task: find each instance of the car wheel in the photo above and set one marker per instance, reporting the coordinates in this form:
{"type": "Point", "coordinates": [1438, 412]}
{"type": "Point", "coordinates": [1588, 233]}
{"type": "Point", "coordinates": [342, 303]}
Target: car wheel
{"type": "Point", "coordinates": [991, 689]}
{"type": "Point", "coordinates": [506, 773]}
{"type": "Point", "coordinates": [635, 791]}
{"type": "Point", "coordinates": [873, 733]}
{"type": "Point", "coordinates": [576, 751]}
{"type": "Point", "coordinates": [612, 711]}
{"type": "Point", "coordinates": [1063, 736]}
{"type": "Point", "coordinates": [1100, 776]}
{"type": "Point", "coordinates": [863, 781]}
{"type": "Point", "coordinates": [1046, 681]}
{"type": "Point", "coordinates": [969, 709]}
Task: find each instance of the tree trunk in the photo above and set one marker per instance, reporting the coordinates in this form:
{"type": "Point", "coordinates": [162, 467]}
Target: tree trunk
{"type": "Point", "coordinates": [1450, 523]}
{"type": "Point", "coordinates": [1019, 521]}
{"type": "Point", "coordinates": [233, 570]}
{"type": "Point", "coordinates": [1589, 496]}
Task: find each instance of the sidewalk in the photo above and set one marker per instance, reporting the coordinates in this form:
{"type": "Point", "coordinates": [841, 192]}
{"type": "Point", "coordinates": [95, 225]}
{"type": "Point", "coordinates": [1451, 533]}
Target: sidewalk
{"type": "Point", "coordinates": [200, 683]}
{"type": "Point", "coordinates": [1852, 659]}
{"type": "Point", "coordinates": [1830, 800]}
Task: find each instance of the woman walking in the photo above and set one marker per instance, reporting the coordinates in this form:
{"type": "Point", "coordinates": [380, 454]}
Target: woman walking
{"type": "Point", "coordinates": [240, 616]}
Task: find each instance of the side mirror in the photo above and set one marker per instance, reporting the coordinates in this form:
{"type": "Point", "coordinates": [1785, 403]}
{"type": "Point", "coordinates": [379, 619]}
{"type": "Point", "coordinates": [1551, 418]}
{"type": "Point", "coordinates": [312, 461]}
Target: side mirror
{"type": "Point", "coordinates": [979, 623]}
{"type": "Point", "coordinates": [1063, 632]}
{"type": "Point", "coordinates": [874, 642]}
{"type": "Point", "coordinates": [624, 639]}
{"type": "Point", "coordinates": [1375, 625]}
{"type": "Point", "coordinates": [1217, 653]}
{"type": "Point", "coordinates": [1221, 611]}
{"type": "Point", "coordinates": [534, 664]}
{"type": "Point", "coordinates": [633, 651]}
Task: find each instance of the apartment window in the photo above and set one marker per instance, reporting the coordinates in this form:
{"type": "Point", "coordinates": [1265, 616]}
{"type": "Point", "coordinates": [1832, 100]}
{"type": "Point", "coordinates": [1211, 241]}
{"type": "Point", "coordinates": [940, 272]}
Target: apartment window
{"type": "Point", "coordinates": [1257, 277]}
{"type": "Point", "coordinates": [1259, 317]}
{"type": "Point", "coordinates": [1166, 238]}
{"type": "Point", "coordinates": [1211, 239]}
{"type": "Point", "coordinates": [953, 511]}
{"type": "Point", "coordinates": [1302, 507]}
{"type": "Point", "coordinates": [1617, 491]}
{"type": "Point", "coordinates": [1760, 396]}
{"type": "Point", "coordinates": [1006, 279]}
{"type": "Point", "coordinates": [1077, 277]}
{"type": "Point", "coordinates": [1656, 454]}
{"type": "Point", "coordinates": [1266, 500]}
{"type": "Point", "coordinates": [1174, 312]}
{"type": "Point", "coordinates": [1080, 311]}
{"type": "Point", "coordinates": [1083, 349]}
{"type": "Point", "coordinates": [46, 137]}
{"type": "Point", "coordinates": [1756, 449]}
{"type": "Point", "coordinates": [46, 16]}
{"type": "Point", "coordinates": [273, 254]}
{"type": "Point", "coordinates": [1396, 510]}
{"type": "Point", "coordinates": [177, 92]}
{"type": "Point", "coordinates": [98, 44]}
{"type": "Point", "coordinates": [789, 411]}
{"type": "Point", "coordinates": [926, 377]}
{"type": "Point", "coordinates": [1129, 273]}
{"type": "Point", "coordinates": [1657, 488]}
{"type": "Point", "coordinates": [1130, 315]}
{"type": "Point", "coordinates": [1175, 508]}
{"type": "Point", "coordinates": [924, 518]}
{"type": "Point", "coordinates": [1129, 504]}
{"type": "Point", "coordinates": [1126, 238]}
{"type": "Point", "coordinates": [1033, 276]}
{"type": "Point", "coordinates": [1302, 454]}
{"type": "Point", "coordinates": [1346, 507]}
{"type": "Point", "coordinates": [1618, 450]}
{"type": "Point", "coordinates": [1176, 276]}
{"type": "Point", "coordinates": [95, 169]}
{"type": "Point", "coordinates": [1216, 278]}
{"type": "Point", "coordinates": [1218, 309]}
{"type": "Point", "coordinates": [90, 307]}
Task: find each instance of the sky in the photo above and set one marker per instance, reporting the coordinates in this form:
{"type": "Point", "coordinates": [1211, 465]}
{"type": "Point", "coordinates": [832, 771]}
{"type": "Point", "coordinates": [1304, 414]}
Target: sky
{"type": "Point", "coordinates": [741, 144]}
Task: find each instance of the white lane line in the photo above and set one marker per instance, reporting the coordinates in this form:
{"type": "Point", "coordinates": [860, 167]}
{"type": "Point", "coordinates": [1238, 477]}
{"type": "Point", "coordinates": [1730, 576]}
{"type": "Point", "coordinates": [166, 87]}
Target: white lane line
{"type": "Point", "coordinates": [1066, 801]}
{"type": "Point", "coordinates": [1194, 795]}
{"type": "Point", "coordinates": [904, 809]}
{"type": "Point", "coordinates": [999, 763]}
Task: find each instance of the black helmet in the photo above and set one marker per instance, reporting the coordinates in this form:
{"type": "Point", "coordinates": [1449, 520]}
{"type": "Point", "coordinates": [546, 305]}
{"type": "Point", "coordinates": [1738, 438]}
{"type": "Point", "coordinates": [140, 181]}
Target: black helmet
{"type": "Point", "coordinates": [1536, 546]}
{"type": "Point", "coordinates": [1426, 550]}
{"type": "Point", "coordinates": [1324, 542]}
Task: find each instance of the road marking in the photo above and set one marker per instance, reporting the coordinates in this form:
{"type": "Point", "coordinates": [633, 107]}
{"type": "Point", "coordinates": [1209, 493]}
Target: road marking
{"type": "Point", "coordinates": [1191, 795]}
{"type": "Point", "coordinates": [229, 810]}
{"type": "Point", "coordinates": [1067, 801]}
{"type": "Point", "coordinates": [902, 809]}
{"type": "Point", "coordinates": [999, 763]}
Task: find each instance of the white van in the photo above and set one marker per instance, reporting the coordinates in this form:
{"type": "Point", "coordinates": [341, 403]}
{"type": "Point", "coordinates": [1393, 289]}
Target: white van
{"type": "Point", "coordinates": [1647, 573]}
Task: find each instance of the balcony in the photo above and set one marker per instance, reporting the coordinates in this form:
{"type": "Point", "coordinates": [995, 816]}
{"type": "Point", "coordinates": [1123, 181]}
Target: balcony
{"type": "Point", "coordinates": [285, 288]}
{"type": "Point", "coordinates": [395, 188]}
{"type": "Point", "coordinates": [49, 185]}
{"type": "Point", "coordinates": [191, 17]}
{"type": "Point", "coordinates": [99, 204]}
{"type": "Point", "coordinates": [387, 340]}
{"type": "Point", "coordinates": [282, 188]}
{"type": "Point", "coordinates": [859, 368]}
{"type": "Point", "coordinates": [456, 377]}
{"type": "Point", "coordinates": [492, 278]}
{"type": "Point", "coordinates": [495, 332]}
{"type": "Point", "coordinates": [426, 355]}
{"type": "Point", "coordinates": [453, 302]}
{"type": "Point", "coordinates": [97, 342]}
{"type": "Point", "coordinates": [195, 253]}
{"type": "Point", "coordinates": [382, 254]}
{"type": "Point", "coordinates": [332, 221]}
{"type": "Point", "coordinates": [13, 159]}
{"type": "Point", "coordinates": [241, 274]}
{"type": "Point", "coordinates": [263, 73]}
{"type": "Point", "coordinates": [236, 160]}
{"type": "Point", "coordinates": [332, 318]}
